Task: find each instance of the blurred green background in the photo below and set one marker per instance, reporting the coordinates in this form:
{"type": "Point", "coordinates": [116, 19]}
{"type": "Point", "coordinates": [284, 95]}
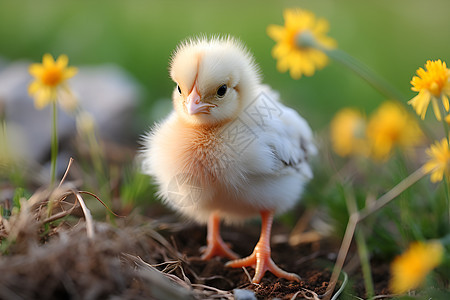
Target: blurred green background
{"type": "Point", "coordinates": [393, 37]}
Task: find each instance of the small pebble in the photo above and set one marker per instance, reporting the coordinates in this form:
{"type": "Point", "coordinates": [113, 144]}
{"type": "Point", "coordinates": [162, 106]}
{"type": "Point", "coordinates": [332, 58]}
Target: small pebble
{"type": "Point", "coordinates": [240, 294]}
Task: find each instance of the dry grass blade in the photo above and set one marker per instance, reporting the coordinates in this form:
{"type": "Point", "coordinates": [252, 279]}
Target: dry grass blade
{"type": "Point", "coordinates": [103, 203]}
{"type": "Point", "coordinates": [159, 238]}
{"type": "Point", "coordinates": [248, 275]}
{"type": "Point", "coordinates": [384, 297]}
{"type": "Point", "coordinates": [358, 216]}
{"type": "Point", "coordinates": [42, 208]}
{"type": "Point", "coordinates": [304, 292]}
{"type": "Point", "coordinates": [164, 286]}
{"type": "Point", "coordinates": [63, 213]}
{"type": "Point", "coordinates": [393, 193]}
{"type": "Point", "coordinates": [69, 265]}
{"type": "Point", "coordinates": [218, 293]}
{"type": "Point", "coordinates": [66, 172]}
{"type": "Point", "coordinates": [87, 216]}
{"type": "Point", "coordinates": [142, 264]}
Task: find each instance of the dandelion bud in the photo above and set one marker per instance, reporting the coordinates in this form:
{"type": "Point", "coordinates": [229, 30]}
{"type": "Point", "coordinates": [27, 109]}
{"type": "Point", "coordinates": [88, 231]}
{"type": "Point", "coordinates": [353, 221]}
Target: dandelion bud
{"type": "Point", "coordinates": [68, 102]}
{"type": "Point", "coordinates": [85, 123]}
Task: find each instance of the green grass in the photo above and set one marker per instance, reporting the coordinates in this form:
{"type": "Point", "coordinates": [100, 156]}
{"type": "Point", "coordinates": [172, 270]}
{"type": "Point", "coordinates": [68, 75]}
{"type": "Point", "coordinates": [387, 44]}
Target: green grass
{"type": "Point", "coordinates": [393, 37]}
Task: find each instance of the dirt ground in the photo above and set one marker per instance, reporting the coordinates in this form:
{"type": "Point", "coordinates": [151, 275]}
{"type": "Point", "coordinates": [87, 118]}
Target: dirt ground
{"type": "Point", "coordinates": [313, 262]}
{"type": "Point", "coordinates": [156, 256]}
{"type": "Point", "coordinates": [305, 261]}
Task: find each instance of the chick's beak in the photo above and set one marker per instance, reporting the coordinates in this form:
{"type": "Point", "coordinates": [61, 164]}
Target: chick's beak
{"type": "Point", "coordinates": [194, 104]}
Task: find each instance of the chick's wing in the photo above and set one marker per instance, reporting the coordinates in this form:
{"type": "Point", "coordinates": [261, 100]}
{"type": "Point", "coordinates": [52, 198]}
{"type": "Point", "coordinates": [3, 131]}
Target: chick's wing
{"type": "Point", "coordinates": [283, 137]}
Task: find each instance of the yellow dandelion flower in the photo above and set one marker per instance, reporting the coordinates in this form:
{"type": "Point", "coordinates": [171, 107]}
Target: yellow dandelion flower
{"type": "Point", "coordinates": [295, 49]}
{"type": "Point", "coordinates": [410, 269]}
{"type": "Point", "coordinates": [347, 132]}
{"type": "Point", "coordinates": [432, 84]}
{"type": "Point", "coordinates": [389, 126]}
{"type": "Point", "coordinates": [49, 77]}
{"type": "Point", "coordinates": [439, 162]}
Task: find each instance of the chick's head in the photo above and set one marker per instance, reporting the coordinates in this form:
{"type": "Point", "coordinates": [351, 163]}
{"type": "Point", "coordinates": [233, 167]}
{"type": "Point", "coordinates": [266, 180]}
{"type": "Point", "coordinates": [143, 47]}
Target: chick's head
{"type": "Point", "coordinates": [216, 78]}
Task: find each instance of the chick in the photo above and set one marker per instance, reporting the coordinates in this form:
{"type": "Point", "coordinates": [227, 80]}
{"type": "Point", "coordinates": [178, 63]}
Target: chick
{"type": "Point", "coordinates": [229, 149]}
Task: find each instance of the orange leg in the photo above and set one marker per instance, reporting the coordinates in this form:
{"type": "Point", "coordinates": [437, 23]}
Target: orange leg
{"type": "Point", "coordinates": [215, 245]}
{"type": "Point", "coordinates": [260, 258]}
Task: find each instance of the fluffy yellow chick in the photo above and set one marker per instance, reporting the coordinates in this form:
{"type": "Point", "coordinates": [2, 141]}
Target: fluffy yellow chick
{"type": "Point", "coordinates": [229, 149]}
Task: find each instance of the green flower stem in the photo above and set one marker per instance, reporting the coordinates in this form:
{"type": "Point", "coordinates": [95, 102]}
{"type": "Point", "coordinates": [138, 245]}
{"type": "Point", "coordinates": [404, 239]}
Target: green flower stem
{"type": "Point", "coordinates": [377, 82]}
{"type": "Point", "coordinates": [445, 240]}
{"type": "Point", "coordinates": [101, 171]}
{"type": "Point", "coordinates": [306, 39]}
{"type": "Point", "coordinates": [54, 145]}
{"type": "Point", "coordinates": [54, 155]}
{"type": "Point", "coordinates": [363, 253]}
{"type": "Point", "coordinates": [96, 153]}
{"type": "Point", "coordinates": [97, 158]}
{"type": "Point", "coordinates": [446, 130]}
{"type": "Point", "coordinates": [444, 113]}
{"type": "Point", "coordinates": [447, 196]}
{"type": "Point", "coordinates": [373, 79]}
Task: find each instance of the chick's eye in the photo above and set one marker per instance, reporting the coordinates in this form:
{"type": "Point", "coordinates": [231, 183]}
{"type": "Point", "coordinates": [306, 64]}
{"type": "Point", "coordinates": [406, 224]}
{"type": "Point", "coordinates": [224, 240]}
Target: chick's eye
{"type": "Point", "coordinates": [179, 89]}
{"type": "Point", "coordinates": [222, 90]}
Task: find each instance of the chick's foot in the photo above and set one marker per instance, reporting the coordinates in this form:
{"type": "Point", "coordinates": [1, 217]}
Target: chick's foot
{"type": "Point", "coordinates": [262, 262]}
{"type": "Point", "coordinates": [218, 248]}
{"type": "Point", "coordinates": [215, 245]}
{"type": "Point", "coordinates": [260, 259]}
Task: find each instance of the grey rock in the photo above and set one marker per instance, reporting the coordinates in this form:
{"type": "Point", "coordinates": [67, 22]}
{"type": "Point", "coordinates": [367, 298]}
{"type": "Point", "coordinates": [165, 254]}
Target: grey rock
{"type": "Point", "coordinates": [107, 92]}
